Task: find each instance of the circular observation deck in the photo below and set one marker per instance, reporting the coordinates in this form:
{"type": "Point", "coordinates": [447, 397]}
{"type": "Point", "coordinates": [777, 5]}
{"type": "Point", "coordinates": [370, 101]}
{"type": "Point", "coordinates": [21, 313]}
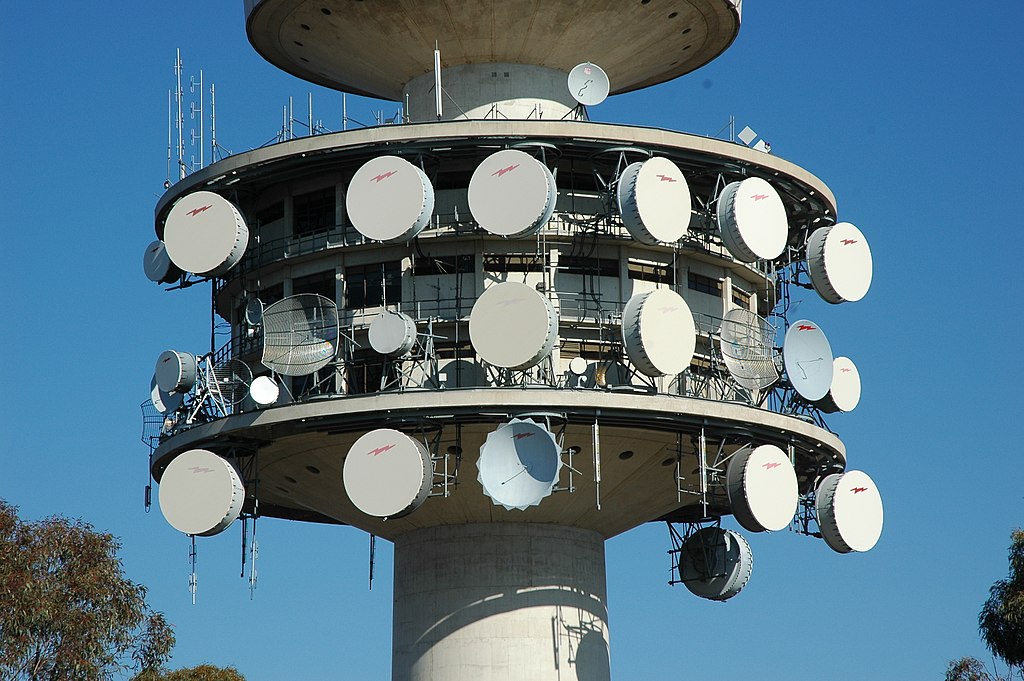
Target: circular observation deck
{"type": "Point", "coordinates": [376, 48]}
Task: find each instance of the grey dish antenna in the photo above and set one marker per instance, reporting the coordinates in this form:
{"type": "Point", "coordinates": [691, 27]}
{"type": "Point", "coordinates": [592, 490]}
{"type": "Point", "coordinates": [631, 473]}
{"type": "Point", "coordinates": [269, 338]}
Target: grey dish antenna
{"type": "Point", "coordinates": [387, 474]}
{"type": "Point", "coordinates": [512, 194]}
{"type": "Point", "coordinates": [762, 487]}
{"type": "Point", "coordinates": [519, 464]}
{"type": "Point", "coordinates": [157, 264]}
{"type": "Point", "coordinates": [175, 371]}
{"type": "Point", "coordinates": [849, 511]}
{"type": "Point", "coordinates": [300, 334]}
{"type": "Point", "coordinates": [513, 326]}
{"type": "Point", "coordinates": [205, 234]}
{"type": "Point", "coordinates": [658, 332]}
{"type": "Point", "coordinates": [752, 220]}
{"type": "Point", "coordinates": [715, 563]}
{"type": "Point", "coordinates": [588, 84]}
{"type": "Point", "coordinates": [839, 262]}
{"type": "Point", "coordinates": [844, 394]}
{"type": "Point", "coordinates": [747, 349]}
{"type": "Point", "coordinates": [654, 201]}
{"type": "Point", "coordinates": [200, 493]}
{"type": "Point", "coordinates": [389, 199]}
{"type": "Point", "coordinates": [808, 359]}
{"type": "Point", "coordinates": [254, 312]}
{"type": "Point", "coordinates": [392, 333]}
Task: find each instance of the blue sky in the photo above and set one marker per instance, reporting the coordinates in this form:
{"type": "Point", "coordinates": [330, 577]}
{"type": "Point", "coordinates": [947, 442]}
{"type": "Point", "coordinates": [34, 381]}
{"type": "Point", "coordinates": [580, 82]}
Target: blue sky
{"type": "Point", "coordinates": [908, 111]}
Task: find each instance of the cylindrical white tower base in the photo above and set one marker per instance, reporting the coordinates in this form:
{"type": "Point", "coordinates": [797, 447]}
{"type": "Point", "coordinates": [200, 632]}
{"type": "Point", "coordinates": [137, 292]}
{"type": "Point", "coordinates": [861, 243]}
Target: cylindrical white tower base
{"type": "Point", "coordinates": [500, 602]}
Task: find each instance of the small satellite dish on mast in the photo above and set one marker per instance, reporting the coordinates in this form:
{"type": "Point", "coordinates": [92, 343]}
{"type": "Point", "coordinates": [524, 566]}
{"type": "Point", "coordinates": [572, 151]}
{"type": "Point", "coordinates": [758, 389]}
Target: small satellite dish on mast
{"type": "Point", "coordinates": [588, 84]}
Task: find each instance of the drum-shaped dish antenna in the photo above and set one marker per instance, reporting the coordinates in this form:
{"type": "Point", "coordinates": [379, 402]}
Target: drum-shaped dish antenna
{"type": "Point", "coordinates": [762, 487]}
{"type": "Point", "coordinates": [849, 510]}
{"type": "Point", "coordinates": [264, 391]}
{"type": "Point", "coordinates": [519, 464]}
{"type": "Point", "coordinates": [748, 350]}
{"type": "Point", "coordinates": [658, 332]}
{"type": "Point", "coordinates": [165, 402]}
{"type": "Point", "coordinates": [175, 371]}
{"type": "Point", "coordinates": [839, 262]}
{"type": "Point", "coordinates": [200, 493]}
{"type": "Point", "coordinates": [588, 84]}
{"type": "Point", "coordinates": [157, 264]}
{"type": "Point", "coordinates": [300, 334]}
{"type": "Point", "coordinates": [387, 474]}
{"type": "Point", "coordinates": [513, 326]}
{"type": "Point", "coordinates": [844, 394]}
{"type": "Point", "coordinates": [392, 333]}
{"type": "Point", "coordinates": [715, 563]}
{"type": "Point", "coordinates": [808, 359]}
{"type": "Point", "coordinates": [512, 194]}
{"type": "Point", "coordinates": [752, 220]}
{"type": "Point", "coordinates": [205, 234]}
{"type": "Point", "coordinates": [654, 201]}
{"type": "Point", "coordinates": [389, 199]}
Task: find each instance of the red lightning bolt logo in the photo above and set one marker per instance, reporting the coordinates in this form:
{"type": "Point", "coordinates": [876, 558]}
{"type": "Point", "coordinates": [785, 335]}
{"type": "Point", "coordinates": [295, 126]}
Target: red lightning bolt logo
{"type": "Point", "coordinates": [804, 327]}
{"type": "Point", "coordinates": [666, 178]}
{"type": "Point", "coordinates": [849, 242]}
{"type": "Point", "coordinates": [520, 436]}
{"type": "Point", "coordinates": [758, 197]}
{"type": "Point", "coordinates": [501, 171]}
{"type": "Point", "coordinates": [200, 469]}
{"type": "Point", "coordinates": [771, 464]}
{"type": "Point", "coordinates": [845, 370]}
{"type": "Point", "coordinates": [196, 211]}
{"type": "Point", "coordinates": [383, 176]}
{"type": "Point", "coordinates": [380, 450]}
{"type": "Point", "coordinates": [858, 490]}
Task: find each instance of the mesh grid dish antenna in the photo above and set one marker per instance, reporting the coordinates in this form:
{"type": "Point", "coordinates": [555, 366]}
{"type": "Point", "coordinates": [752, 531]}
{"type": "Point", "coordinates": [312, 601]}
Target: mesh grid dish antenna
{"type": "Point", "coordinates": [387, 474]}
{"type": "Point", "coordinates": [844, 393]}
{"type": "Point", "coordinates": [654, 201]}
{"type": "Point", "coordinates": [747, 349]}
{"type": "Point", "coordinates": [228, 382]}
{"type": "Point", "coordinates": [808, 359]}
{"type": "Point", "coordinates": [389, 199]}
{"type": "Point", "coordinates": [513, 326]}
{"type": "Point", "coordinates": [752, 220]}
{"type": "Point", "coordinates": [839, 262]}
{"type": "Point", "coordinates": [300, 334]}
{"type": "Point", "coordinates": [715, 563]}
{"type": "Point", "coordinates": [762, 488]}
{"type": "Point", "coordinates": [205, 234]}
{"type": "Point", "coordinates": [157, 264]}
{"type": "Point", "coordinates": [658, 332]}
{"type": "Point", "coordinates": [849, 511]}
{"type": "Point", "coordinates": [519, 464]}
{"type": "Point", "coordinates": [512, 194]}
{"type": "Point", "coordinates": [201, 493]}
{"type": "Point", "coordinates": [588, 84]}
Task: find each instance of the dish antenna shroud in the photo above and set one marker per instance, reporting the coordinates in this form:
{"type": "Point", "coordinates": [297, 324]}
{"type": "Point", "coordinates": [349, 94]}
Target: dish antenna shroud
{"type": "Point", "coordinates": [747, 349]}
{"type": "Point", "coordinates": [588, 84]}
{"type": "Point", "coordinates": [387, 474]}
{"type": "Point", "coordinates": [519, 464]}
{"type": "Point", "coordinates": [654, 201]}
{"type": "Point", "coordinates": [658, 332]}
{"type": "Point", "coordinates": [175, 371]}
{"type": "Point", "coordinates": [512, 194]}
{"type": "Point", "coordinates": [201, 493]}
{"type": "Point", "coordinates": [752, 220]}
{"type": "Point", "coordinates": [849, 511]}
{"type": "Point", "coordinates": [205, 234]}
{"type": "Point", "coordinates": [300, 334]}
{"type": "Point", "coordinates": [513, 326]}
{"type": "Point", "coordinates": [839, 262]}
{"type": "Point", "coordinates": [844, 394]}
{"type": "Point", "coordinates": [392, 333]}
{"type": "Point", "coordinates": [715, 563]}
{"type": "Point", "coordinates": [808, 359]}
{"type": "Point", "coordinates": [389, 199]}
{"type": "Point", "coordinates": [762, 487]}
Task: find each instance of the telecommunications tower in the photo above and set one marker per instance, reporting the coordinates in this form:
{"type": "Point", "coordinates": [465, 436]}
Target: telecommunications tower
{"type": "Point", "coordinates": [496, 333]}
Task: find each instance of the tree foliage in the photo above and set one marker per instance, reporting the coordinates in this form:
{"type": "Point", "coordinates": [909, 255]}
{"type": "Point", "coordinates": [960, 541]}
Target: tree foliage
{"type": "Point", "coordinates": [969, 669]}
{"type": "Point", "coordinates": [67, 611]}
{"type": "Point", "coordinates": [1001, 621]}
{"type": "Point", "coordinates": [203, 672]}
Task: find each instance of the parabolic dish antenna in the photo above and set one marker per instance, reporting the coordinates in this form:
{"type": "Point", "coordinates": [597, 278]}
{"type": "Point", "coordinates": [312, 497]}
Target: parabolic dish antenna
{"type": "Point", "coordinates": [752, 220]}
{"type": "Point", "coordinates": [254, 312]}
{"type": "Point", "coordinates": [387, 474]}
{"type": "Point", "coordinates": [658, 332]}
{"type": "Point", "coordinates": [844, 395]}
{"type": "Point", "coordinates": [849, 510]}
{"type": "Point", "coordinates": [229, 380]}
{"type": "Point", "coordinates": [512, 194]}
{"type": "Point", "coordinates": [205, 234]}
{"type": "Point", "coordinates": [839, 262]}
{"type": "Point", "coordinates": [389, 199]}
{"type": "Point", "coordinates": [715, 563]}
{"type": "Point", "coordinates": [300, 334]}
{"type": "Point", "coordinates": [392, 333]}
{"type": "Point", "coordinates": [519, 464]}
{"type": "Point", "coordinates": [808, 359]}
{"type": "Point", "coordinates": [264, 391]}
{"type": "Point", "coordinates": [175, 371]}
{"type": "Point", "coordinates": [200, 493]}
{"type": "Point", "coordinates": [747, 348]}
{"type": "Point", "coordinates": [578, 366]}
{"type": "Point", "coordinates": [588, 84]}
{"type": "Point", "coordinates": [157, 264]}
{"type": "Point", "coordinates": [513, 326]}
{"type": "Point", "coordinates": [762, 487]}
{"type": "Point", "coordinates": [164, 401]}
{"type": "Point", "coordinates": [654, 201]}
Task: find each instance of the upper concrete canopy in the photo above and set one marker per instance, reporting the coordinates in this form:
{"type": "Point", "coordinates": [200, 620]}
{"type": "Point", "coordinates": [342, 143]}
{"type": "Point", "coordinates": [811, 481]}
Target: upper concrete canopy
{"type": "Point", "coordinates": [375, 47]}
